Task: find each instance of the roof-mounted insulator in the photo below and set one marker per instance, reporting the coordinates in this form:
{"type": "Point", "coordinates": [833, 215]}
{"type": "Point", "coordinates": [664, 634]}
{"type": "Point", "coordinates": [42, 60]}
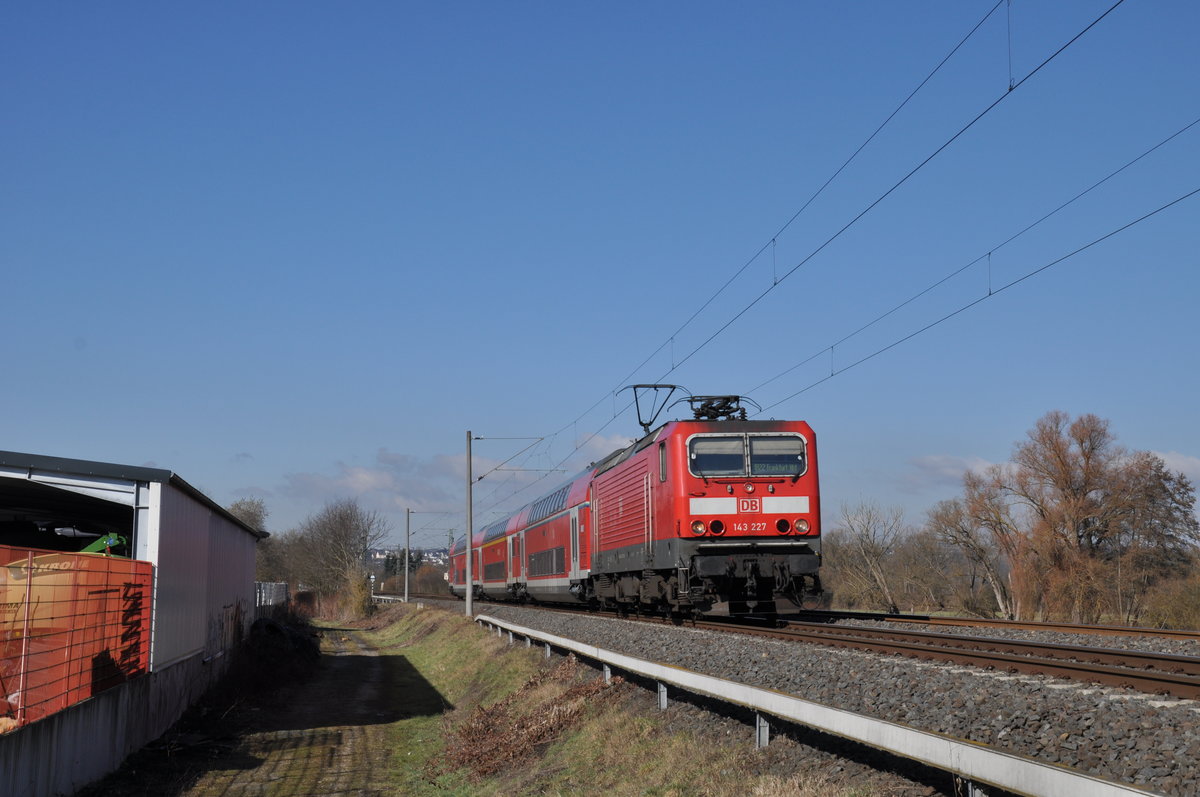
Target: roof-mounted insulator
{"type": "Point", "coordinates": [718, 408]}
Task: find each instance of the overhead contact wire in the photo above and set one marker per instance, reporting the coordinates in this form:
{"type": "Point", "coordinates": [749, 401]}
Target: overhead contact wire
{"type": "Point", "coordinates": [818, 192]}
{"type": "Point", "coordinates": [897, 185]}
{"type": "Point", "coordinates": [986, 255]}
{"type": "Point", "coordinates": [983, 298]}
{"type": "Point", "coordinates": [675, 366]}
{"type": "Point", "coordinates": [794, 216]}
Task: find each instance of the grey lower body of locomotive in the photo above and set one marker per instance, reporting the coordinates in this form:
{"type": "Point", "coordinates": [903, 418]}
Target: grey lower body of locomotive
{"type": "Point", "coordinates": [711, 575]}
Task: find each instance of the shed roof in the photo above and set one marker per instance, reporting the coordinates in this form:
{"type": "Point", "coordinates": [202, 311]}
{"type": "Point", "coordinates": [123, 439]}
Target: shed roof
{"type": "Point", "coordinates": [40, 463]}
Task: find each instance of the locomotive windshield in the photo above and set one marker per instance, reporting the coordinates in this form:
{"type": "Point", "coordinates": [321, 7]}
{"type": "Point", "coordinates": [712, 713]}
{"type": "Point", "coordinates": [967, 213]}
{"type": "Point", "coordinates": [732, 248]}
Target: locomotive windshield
{"type": "Point", "coordinates": [717, 456]}
{"type": "Point", "coordinates": [776, 456]}
{"type": "Point", "coordinates": [746, 455]}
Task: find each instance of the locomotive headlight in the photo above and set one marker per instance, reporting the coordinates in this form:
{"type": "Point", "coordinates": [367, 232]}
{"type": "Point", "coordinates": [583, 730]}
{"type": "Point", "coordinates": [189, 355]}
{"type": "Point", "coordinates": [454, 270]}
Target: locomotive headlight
{"type": "Point", "coordinates": [749, 488]}
{"type": "Point", "coordinates": [698, 527]}
{"type": "Point", "coordinates": [801, 526]}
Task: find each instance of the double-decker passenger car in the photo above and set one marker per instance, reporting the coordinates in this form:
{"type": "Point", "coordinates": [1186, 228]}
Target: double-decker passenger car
{"type": "Point", "coordinates": [699, 516]}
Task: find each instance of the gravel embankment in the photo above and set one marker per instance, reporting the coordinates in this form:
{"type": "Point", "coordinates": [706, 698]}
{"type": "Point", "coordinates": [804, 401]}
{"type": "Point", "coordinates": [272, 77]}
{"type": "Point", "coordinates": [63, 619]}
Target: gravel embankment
{"type": "Point", "coordinates": [1124, 736]}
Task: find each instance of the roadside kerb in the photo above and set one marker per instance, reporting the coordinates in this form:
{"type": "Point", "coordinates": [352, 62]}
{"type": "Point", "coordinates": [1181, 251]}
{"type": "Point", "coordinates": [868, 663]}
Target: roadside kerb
{"type": "Point", "coordinates": [970, 761]}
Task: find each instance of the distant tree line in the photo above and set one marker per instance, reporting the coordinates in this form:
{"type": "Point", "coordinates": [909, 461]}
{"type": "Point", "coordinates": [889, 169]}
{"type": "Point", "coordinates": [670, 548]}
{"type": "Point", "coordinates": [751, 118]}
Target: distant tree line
{"type": "Point", "coordinates": [423, 576]}
{"type": "Point", "coordinates": [326, 553]}
{"type": "Point", "coordinates": [393, 563]}
{"type": "Point", "coordinates": [1074, 527]}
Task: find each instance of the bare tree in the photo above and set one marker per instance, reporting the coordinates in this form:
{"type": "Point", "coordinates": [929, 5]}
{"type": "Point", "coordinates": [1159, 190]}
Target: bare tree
{"type": "Point", "coordinates": [251, 511]}
{"type": "Point", "coordinates": [1078, 525]}
{"type": "Point", "coordinates": [431, 579]}
{"type": "Point", "coordinates": [975, 535]}
{"type": "Point", "coordinates": [927, 570]}
{"type": "Point", "coordinates": [1154, 539]}
{"type": "Point", "coordinates": [331, 546]}
{"type": "Point", "coordinates": [268, 565]}
{"type": "Point", "coordinates": [280, 557]}
{"type": "Point", "coordinates": [868, 538]}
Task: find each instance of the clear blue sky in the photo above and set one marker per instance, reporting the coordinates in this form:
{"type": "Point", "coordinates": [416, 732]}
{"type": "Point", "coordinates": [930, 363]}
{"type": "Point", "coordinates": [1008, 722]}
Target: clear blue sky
{"type": "Point", "coordinates": [296, 250]}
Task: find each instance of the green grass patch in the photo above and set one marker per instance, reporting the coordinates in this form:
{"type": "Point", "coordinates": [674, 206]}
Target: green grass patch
{"type": "Point", "coordinates": [517, 724]}
{"type": "Point", "coordinates": [451, 658]}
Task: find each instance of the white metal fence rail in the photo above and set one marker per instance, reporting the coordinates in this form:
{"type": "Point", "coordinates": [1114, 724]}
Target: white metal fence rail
{"type": "Point", "coordinates": [268, 595]}
{"type": "Point", "coordinates": [970, 761]}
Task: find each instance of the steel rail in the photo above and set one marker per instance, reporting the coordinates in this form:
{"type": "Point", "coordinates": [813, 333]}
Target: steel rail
{"type": "Point", "coordinates": [1134, 659]}
{"type": "Point", "coordinates": [935, 647]}
{"type": "Point", "coordinates": [1100, 665]}
{"type": "Point", "coordinates": [990, 622]}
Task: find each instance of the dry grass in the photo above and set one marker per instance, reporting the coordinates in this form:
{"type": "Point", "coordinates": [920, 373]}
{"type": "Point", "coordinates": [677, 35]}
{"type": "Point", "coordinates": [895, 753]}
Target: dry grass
{"type": "Point", "coordinates": [523, 726]}
{"type": "Point", "coordinates": [513, 730]}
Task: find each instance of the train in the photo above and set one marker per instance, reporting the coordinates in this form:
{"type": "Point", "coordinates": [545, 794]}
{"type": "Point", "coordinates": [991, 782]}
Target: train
{"type": "Point", "coordinates": [714, 515]}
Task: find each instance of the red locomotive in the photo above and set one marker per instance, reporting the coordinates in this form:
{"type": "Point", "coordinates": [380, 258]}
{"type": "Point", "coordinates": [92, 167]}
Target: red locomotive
{"type": "Point", "coordinates": [713, 515]}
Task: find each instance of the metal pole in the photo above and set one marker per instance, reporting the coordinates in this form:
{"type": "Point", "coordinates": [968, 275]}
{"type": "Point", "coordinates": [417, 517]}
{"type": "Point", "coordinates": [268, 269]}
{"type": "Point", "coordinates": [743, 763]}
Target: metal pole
{"type": "Point", "coordinates": [407, 548]}
{"type": "Point", "coordinates": [470, 531]}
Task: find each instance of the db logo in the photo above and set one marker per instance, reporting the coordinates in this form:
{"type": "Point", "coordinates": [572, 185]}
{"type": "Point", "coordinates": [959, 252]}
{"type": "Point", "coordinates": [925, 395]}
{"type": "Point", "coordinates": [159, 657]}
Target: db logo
{"type": "Point", "coordinates": [749, 505]}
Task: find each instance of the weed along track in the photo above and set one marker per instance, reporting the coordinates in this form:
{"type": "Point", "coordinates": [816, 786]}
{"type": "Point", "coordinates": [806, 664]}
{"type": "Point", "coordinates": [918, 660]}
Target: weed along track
{"type": "Point", "coordinates": [553, 726]}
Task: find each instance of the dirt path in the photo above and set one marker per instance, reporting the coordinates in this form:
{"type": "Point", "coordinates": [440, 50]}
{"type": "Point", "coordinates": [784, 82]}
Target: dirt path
{"type": "Point", "coordinates": [317, 727]}
{"type": "Point", "coordinates": [326, 737]}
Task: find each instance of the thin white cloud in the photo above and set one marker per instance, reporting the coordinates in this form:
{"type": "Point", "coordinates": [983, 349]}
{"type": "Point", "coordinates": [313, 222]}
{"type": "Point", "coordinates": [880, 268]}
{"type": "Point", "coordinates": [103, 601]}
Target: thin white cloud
{"type": "Point", "coordinates": [392, 484]}
{"type": "Point", "coordinates": [595, 448]}
{"type": "Point", "coordinates": [938, 471]}
{"type": "Point", "coordinates": [396, 481]}
{"type": "Point", "coordinates": [252, 492]}
{"type": "Point", "coordinates": [1184, 463]}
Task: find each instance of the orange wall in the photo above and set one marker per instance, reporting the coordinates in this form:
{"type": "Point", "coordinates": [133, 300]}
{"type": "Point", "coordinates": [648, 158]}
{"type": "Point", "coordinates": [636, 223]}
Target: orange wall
{"type": "Point", "coordinates": [71, 625]}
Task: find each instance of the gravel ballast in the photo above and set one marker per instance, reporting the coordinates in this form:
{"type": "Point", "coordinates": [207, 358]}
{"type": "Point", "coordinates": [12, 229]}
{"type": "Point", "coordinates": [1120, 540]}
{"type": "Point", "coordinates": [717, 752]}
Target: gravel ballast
{"type": "Point", "coordinates": [1121, 735]}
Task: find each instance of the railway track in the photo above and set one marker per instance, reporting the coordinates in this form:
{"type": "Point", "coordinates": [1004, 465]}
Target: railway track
{"type": "Point", "coordinates": [1153, 673]}
{"type": "Point", "coordinates": [983, 622]}
{"type": "Point", "coordinates": [832, 615]}
{"type": "Point", "coordinates": [1143, 671]}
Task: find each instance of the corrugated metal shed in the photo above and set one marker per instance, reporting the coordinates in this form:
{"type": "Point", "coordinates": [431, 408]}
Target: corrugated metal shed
{"type": "Point", "coordinates": [203, 555]}
{"type": "Point", "coordinates": [204, 599]}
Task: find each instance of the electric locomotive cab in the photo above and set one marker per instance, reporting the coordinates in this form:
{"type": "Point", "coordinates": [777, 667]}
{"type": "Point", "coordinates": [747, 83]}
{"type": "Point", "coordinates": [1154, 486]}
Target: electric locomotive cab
{"type": "Point", "coordinates": [751, 510]}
